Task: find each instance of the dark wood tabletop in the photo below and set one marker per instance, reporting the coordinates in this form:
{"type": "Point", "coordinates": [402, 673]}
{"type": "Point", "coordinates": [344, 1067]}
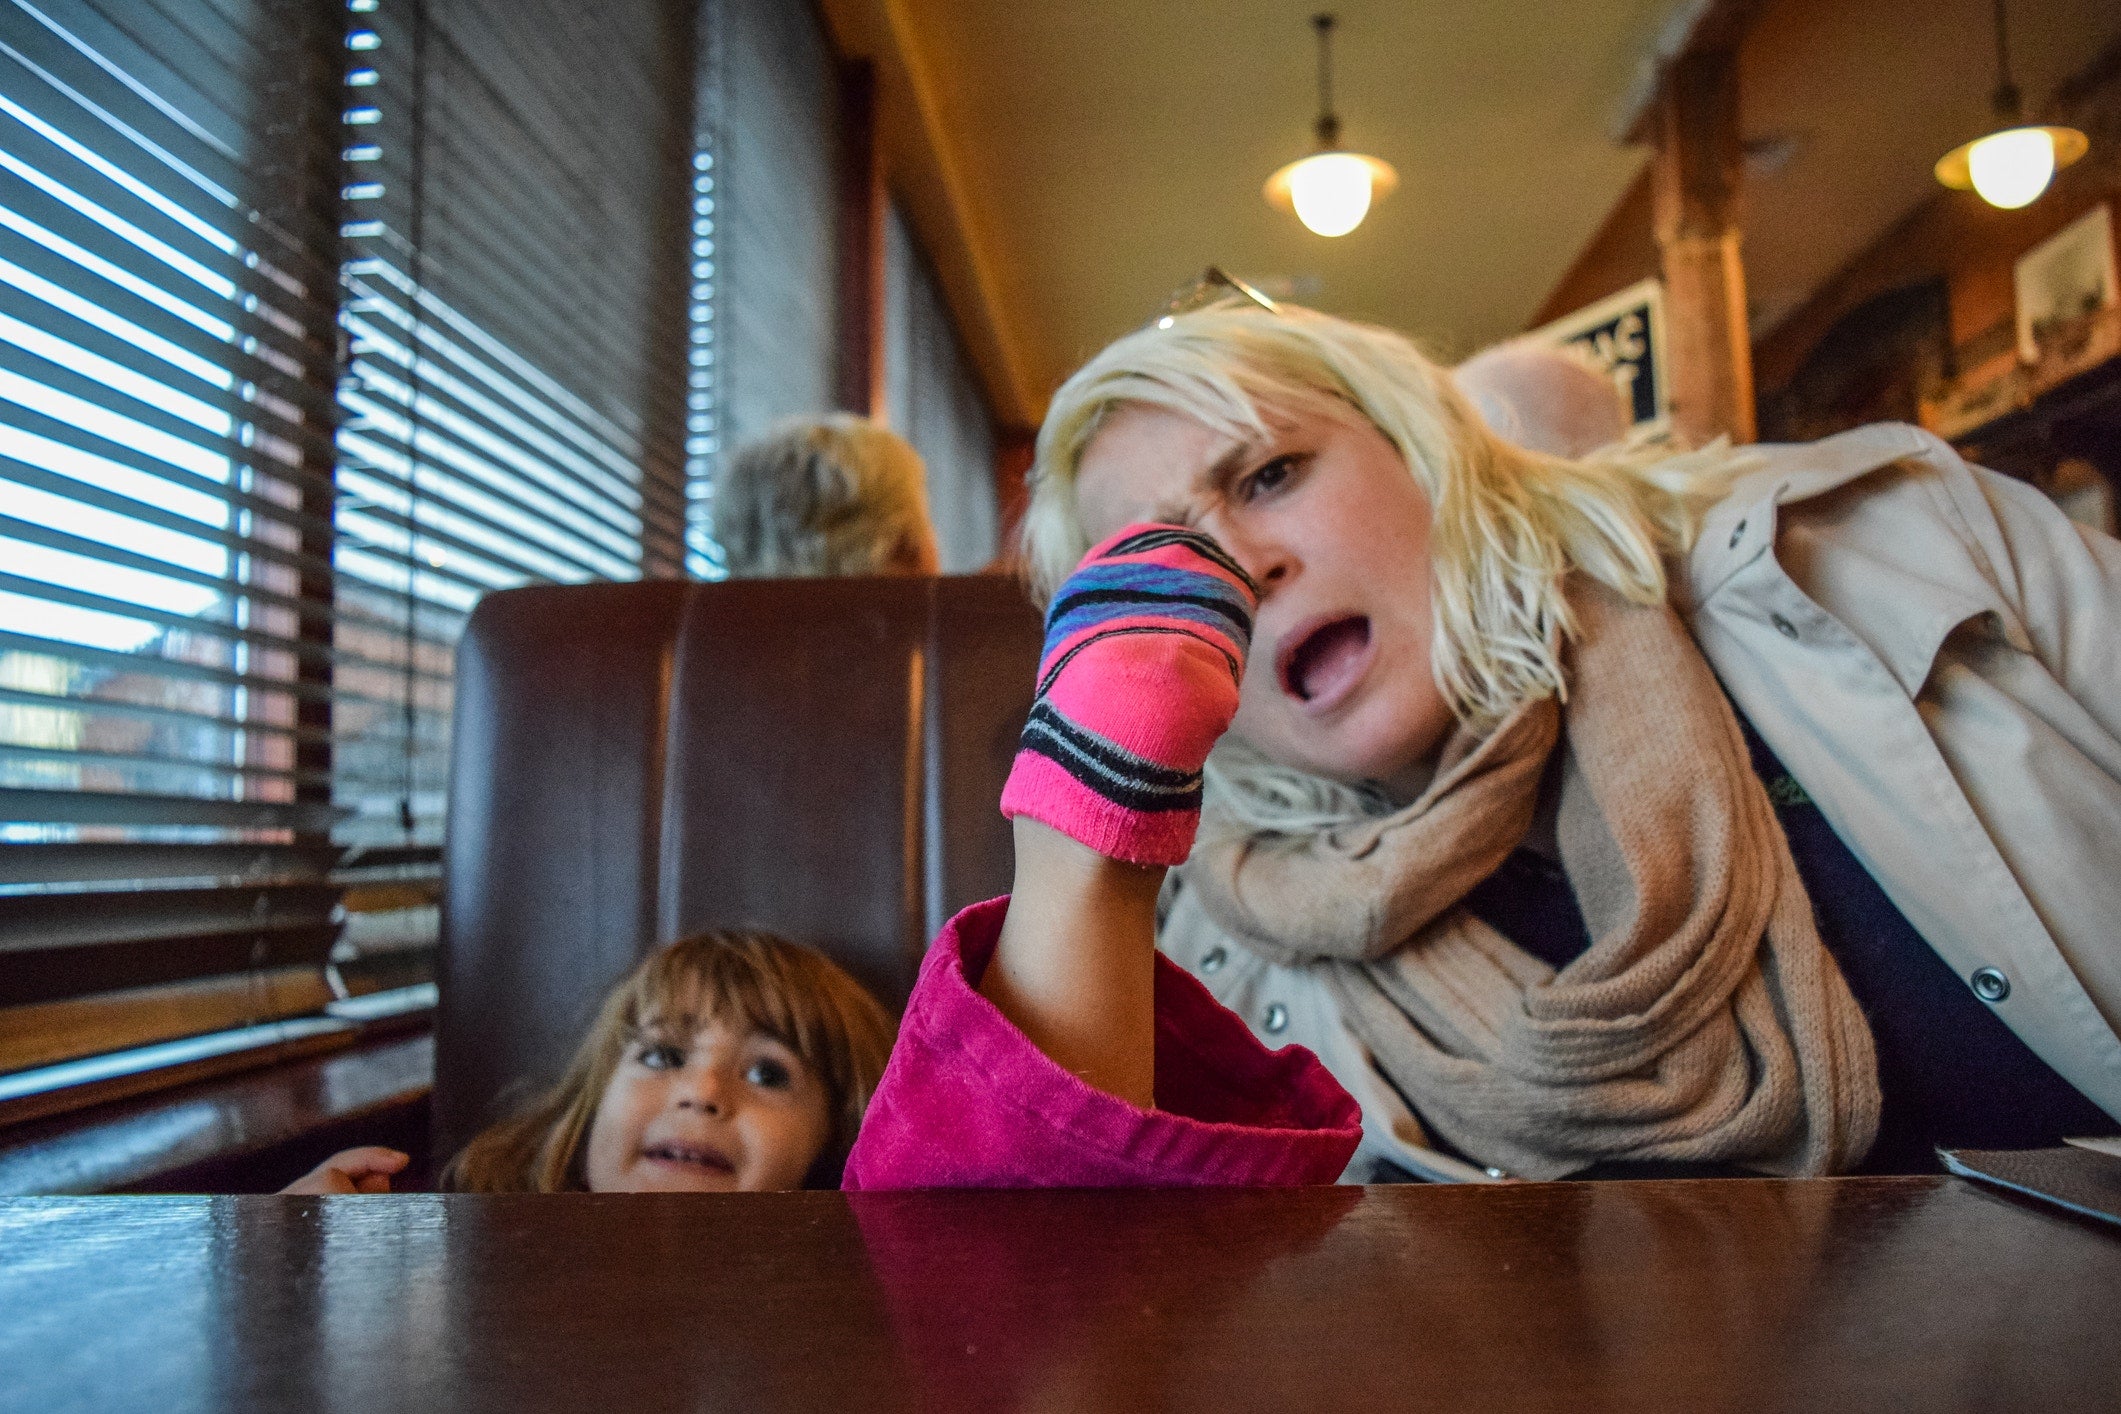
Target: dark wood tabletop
{"type": "Point", "coordinates": [1927, 1294]}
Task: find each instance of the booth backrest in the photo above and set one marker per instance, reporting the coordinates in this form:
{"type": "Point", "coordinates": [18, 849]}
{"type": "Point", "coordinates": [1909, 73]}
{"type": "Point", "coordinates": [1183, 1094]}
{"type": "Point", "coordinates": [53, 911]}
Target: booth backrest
{"type": "Point", "coordinates": [633, 762]}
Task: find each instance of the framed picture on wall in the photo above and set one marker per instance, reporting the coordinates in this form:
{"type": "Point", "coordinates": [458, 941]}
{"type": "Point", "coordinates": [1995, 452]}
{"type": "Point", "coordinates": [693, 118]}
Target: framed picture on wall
{"type": "Point", "coordinates": [1622, 336]}
{"type": "Point", "coordinates": [2063, 281]}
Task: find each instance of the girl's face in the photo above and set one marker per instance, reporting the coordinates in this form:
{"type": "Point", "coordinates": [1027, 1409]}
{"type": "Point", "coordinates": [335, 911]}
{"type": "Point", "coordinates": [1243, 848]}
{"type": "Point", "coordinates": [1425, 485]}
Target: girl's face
{"type": "Point", "coordinates": [706, 1110]}
{"type": "Point", "coordinates": [1326, 519]}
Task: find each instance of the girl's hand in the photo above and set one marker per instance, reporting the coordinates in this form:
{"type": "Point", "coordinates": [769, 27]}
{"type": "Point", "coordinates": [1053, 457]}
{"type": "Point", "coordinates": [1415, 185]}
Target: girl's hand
{"type": "Point", "coordinates": [1145, 648]}
{"type": "Point", "coordinates": [363, 1170]}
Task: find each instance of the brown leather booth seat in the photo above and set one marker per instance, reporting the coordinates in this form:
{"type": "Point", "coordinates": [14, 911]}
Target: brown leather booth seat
{"type": "Point", "coordinates": [636, 761]}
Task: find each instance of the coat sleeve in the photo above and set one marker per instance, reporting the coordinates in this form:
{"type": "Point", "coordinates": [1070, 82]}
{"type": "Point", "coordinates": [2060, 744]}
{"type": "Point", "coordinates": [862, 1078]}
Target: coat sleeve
{"type": "Point", "coordinates": [968, 1102]}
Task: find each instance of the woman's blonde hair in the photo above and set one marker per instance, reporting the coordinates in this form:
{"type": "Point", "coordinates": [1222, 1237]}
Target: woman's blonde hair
{"type": "Point", "coordinates": [828, 495]}
{"type": "Point", "coordinates": [749, 979]}
{"type": "Point", "coordinates": [1508, 523]}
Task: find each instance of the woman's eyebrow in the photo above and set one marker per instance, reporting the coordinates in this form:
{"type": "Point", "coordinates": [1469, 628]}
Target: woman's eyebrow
{"type": "Point", "coordinates": [1213, 481]}
{"type": "Point", "coordinates": [1225, 468]}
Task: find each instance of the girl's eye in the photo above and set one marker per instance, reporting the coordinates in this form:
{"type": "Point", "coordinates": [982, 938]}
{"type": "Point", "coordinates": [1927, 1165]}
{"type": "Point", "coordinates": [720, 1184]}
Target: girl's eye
{"type": "Point", "coordinates": [1267, 479]}
{"type": "Point", "coordinates": [769, 1074]}
{"type": "Point", "coordinates": [662, 1056]}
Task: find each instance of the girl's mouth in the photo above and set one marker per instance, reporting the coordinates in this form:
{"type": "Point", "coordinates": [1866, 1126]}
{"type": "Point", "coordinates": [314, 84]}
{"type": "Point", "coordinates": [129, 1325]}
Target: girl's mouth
{"type": "Point", "coordinates": [693, 1156]}
{"type": "Point", "coordinates": [1320, 664]}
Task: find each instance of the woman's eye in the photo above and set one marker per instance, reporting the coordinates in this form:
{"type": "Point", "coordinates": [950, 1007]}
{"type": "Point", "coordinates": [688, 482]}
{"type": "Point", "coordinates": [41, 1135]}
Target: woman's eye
{"type": "Point", "coordinates": [769, 1074]}
{"type": "Point", "coordinates": [1267, 479]}
{"type": "Point", "coordinates": [662, 1057]}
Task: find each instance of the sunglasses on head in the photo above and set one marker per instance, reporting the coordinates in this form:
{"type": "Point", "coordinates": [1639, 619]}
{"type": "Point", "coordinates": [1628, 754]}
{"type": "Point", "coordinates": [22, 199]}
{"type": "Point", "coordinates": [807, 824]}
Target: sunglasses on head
{"type": "Point", "coordinates": [1214, 287]}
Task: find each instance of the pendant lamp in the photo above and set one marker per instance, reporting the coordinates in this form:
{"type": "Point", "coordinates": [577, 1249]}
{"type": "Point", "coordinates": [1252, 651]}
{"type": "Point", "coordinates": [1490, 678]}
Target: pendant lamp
{"type": "Point", "coordinates": [2011, 166]}
{"type": "Point", "coordinates": [1331, 190]}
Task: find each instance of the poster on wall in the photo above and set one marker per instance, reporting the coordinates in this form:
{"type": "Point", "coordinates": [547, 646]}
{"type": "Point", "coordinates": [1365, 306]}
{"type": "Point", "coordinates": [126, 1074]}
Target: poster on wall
{"type": "Point", "coordinates": [1622, 336]}
{"type": "Point", "coordinates": [2063, 281]}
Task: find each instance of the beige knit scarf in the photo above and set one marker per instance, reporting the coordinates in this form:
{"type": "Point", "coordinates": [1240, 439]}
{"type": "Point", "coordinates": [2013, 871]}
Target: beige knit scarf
{"type": "Point", "coordinates": [1706, 1022]}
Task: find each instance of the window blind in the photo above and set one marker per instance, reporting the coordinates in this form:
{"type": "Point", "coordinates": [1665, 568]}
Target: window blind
{"type": "Point", "coordinates": [936, 403]}
{"type": "Point", "coordinates": [169, 212]}
{"type": "Point", "coordinates": [515, 233]}
{"type": "Point", "coordinates": [773, 121]}
{"type": "Point", "coordinates": [315, 325]}
{"type": "Point", "coordinates": [317, 322]}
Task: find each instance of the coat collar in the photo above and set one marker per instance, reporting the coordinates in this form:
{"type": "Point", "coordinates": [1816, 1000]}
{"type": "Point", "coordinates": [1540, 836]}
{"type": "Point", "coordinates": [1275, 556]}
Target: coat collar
{"type": "Point", "coordinates": [1901, 594]}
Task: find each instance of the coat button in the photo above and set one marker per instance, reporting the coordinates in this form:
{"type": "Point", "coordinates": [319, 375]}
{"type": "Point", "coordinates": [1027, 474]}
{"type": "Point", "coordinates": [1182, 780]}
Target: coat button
{"type": "Point", "coordinates": [1990, 984]}
{"type": "Point", "coordinates": [1214, 961]}
{"type": "Point", "coordinates": [1277, 1020]}
{"type": "Point", "coordinates": [1783, 626]}
{"type": "Point", "coordinates": [1737, 534]}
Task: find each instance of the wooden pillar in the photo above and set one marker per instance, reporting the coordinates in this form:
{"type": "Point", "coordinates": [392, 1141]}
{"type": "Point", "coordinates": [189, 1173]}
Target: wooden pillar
{"type": "Point", "coordinates": [1698, 174]}
{"type": "Point", "coordinates": [860, 371]}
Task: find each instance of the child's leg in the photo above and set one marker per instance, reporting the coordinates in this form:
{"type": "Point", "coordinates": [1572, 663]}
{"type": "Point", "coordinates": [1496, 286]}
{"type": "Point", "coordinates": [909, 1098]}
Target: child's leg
{"type": "Point", "coordinates": [1076, 964]}
{"type": "Point", "coordinates": [1047, 1075]}
{"type": "Point", "coordinates": [1145, 647]}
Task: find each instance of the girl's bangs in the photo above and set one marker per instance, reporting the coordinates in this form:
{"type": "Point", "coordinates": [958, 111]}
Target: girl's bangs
{"type": "Point", "coordinates": [691, 983]}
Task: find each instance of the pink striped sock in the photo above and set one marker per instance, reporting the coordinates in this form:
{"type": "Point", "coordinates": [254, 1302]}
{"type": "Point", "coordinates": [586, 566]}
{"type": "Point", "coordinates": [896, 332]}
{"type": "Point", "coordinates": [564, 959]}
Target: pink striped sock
{"type": "Point", "coordinates": [1145, 649]}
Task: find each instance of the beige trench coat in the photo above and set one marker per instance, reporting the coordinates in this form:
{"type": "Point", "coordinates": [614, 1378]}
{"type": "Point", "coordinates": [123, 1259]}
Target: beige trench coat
{"type": "Point", "coordinates": [1934, 652]}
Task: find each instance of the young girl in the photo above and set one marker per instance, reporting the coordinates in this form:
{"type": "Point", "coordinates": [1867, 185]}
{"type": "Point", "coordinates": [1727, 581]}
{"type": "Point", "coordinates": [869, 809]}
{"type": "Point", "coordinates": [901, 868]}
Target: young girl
{"type": "Point", "coordinates": [726, 1061]}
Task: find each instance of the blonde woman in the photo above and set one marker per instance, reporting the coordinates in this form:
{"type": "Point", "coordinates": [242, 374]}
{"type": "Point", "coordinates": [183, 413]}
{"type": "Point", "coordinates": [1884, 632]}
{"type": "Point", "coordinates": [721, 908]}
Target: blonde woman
{"type": "Point", "coordinates": [1713, 813]}
{"type": "Point", "coordinates": [832, 495]}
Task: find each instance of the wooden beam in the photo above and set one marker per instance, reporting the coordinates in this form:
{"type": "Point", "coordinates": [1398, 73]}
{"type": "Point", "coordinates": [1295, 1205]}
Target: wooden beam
{"type": "Point", "coordinates": [1692, 27]}
{"type": "Point", "coordinates": [860, 372]}
{"type": "Point", "coordinates": [1698, 175]}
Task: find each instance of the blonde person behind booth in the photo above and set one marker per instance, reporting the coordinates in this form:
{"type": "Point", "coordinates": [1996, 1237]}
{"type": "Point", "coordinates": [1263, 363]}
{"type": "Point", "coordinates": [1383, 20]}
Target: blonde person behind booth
{"type": "Point", "coordinates": [831, 495]}
{"type": "Point", "coordinates": [1627, 812]}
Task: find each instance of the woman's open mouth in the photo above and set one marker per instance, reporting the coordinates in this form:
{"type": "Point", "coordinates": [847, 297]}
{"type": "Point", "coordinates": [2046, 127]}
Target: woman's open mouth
{"type": "Point", "coordinates": [692, 1156]}
{"type": "Point", "coordinates": [1320, 664]}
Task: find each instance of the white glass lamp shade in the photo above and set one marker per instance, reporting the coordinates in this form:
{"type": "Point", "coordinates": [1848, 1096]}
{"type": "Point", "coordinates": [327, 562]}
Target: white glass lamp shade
{"type": "Point", "coordinates": [2010, 169]}
{"type": "Point", "coordinates": [1331, 192]}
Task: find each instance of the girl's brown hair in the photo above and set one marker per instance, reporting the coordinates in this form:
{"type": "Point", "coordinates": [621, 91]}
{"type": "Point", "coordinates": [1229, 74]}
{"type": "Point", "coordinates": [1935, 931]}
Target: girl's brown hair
{"type": "Point", "coordinates": [750, 979]}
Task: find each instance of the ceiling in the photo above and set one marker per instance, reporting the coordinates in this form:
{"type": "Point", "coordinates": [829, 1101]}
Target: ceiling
{"type": "Point", "coordinates": [1070, 164]}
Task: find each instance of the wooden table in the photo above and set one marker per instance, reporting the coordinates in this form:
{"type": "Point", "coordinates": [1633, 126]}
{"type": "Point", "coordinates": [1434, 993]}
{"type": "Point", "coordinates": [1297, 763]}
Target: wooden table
{"type": "Point", "coordinates": [1921, 1294]}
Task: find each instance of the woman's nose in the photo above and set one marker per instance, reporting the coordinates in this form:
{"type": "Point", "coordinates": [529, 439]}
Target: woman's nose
{"type": "Point", "coordinates": [1270, 563]}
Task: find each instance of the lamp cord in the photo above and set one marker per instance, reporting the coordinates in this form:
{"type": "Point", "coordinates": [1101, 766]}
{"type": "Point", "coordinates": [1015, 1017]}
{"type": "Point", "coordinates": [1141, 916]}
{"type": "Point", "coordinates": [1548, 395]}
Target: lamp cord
{"type": "Point", "coordinates": [2007, 102]}
{"type": "Point", "coordinates": [1328, 123]}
